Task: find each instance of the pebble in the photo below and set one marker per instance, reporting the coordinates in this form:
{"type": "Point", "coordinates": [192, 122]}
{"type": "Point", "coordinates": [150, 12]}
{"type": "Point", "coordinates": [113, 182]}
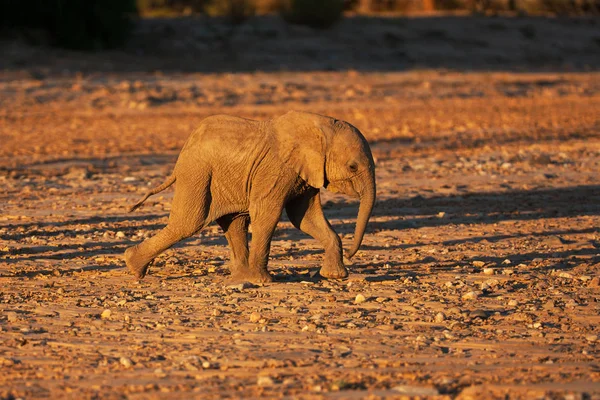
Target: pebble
{"type": "Point", "coordinates": [591, 338]}
{"type": "Point", "coordinates": [478, 263]}
{"type": "Point", "coordinates": [409, 390]}
{"type": "Point", "coordinates": [565, 275]}
{"type": "Point", "coordinates": [440, 317]}
{"type": "Point", "coordinates": [508, 271]}
{"type": "Point", "coordinates": [120, 235]}
{"type": "Point", "coordinates": [470, 296]}
{"type": "Point", "coordinates": [255, 317]}
{"type": "Point", "coordinates": [106, 314]}
{"type": "Point", "coordinates": [489, 271]}
{"type": "Point", "coordinates": [264, 381]}
{"type": "Point", "coordinates": [513, 303]}
{"type": "Point", "coordinates": [126, 362]}
{"type": "Point", "coordinates": [241, 286]}
{"type": "Point", "coordinates": [359, 299]}
{"type": "Point", "coordinates": [11, 316]}
{"type": "Point", "coordinates": [549, 305]}
{"type": "Point", "coordinates": [479, 314]}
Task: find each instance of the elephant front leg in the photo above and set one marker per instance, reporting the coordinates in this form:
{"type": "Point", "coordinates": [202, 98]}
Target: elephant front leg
{"type": "Point", "coordinates": [306, 214]}
{"type": "Point", "coordinates": [236, 232]}
{"type": "Point", "coordinates": [264, 222]}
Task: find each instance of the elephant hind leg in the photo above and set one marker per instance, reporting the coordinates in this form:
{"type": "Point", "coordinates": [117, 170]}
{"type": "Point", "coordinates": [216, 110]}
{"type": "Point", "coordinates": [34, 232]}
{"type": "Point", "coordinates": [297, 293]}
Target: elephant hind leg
{"type": "Point", "coordinates": [189, 213]}
{"type": "Point", "coordinates": [235, 227]}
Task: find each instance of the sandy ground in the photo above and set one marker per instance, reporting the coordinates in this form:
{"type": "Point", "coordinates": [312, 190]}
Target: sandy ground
{"type": "Point", "coordinates": [478, 277]}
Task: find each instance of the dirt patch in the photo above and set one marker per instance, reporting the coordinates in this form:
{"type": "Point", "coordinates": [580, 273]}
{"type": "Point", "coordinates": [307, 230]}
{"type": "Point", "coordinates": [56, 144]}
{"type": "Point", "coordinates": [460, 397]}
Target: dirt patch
{"type": "Point", "coordinates": [478, 276]}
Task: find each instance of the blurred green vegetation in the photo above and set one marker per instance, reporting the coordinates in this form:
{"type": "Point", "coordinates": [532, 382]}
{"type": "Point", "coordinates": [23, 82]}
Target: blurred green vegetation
{"type": "Point", "coordinates": [73, 24]}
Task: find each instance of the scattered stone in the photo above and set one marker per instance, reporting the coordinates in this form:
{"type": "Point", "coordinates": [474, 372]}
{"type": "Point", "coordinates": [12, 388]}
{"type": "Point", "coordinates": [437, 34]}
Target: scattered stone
{"type": "Point", "coordinates": [440, 317]}
{"type": "Point", "coordinates": [409, 390]}
{"type": "Point", "coordinates": [264, 381]}
{"type": "Point", "coordinates": [550, 305]}
{"type": "Point", "coordinates": [489, 271]}
{"type": "Point", "coordinates": [591, 338]}
{"type": "Point", "coordinates": [126, 362]}
{"type": "Point", "coordinates": [359, 299]}
{"type": "Point", "coordinates": [565, 275]}
{"type": "Point", "coordinates": [470, 295]}
{"type": "Point", "coordinates": [120, 235]}
{"type": "Point", "coordinates": [479, 314]}
{"type": "Point", "coordinates": [255, 317]}
{"type": "Point", "coordinates": [106, 314]}
{"type": "Point", "coordinates": [242, 286]}
{"type": "Point", "coordinates": [478, 264]}
{"type": "Point", "coordinates": [12, 316]}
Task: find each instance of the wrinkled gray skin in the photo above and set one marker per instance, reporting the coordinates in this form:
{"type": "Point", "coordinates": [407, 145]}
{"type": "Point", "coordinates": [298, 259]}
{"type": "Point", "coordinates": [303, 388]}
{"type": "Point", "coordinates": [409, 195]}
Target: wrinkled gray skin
{"type": "Point", "coordinates": [233, 171]}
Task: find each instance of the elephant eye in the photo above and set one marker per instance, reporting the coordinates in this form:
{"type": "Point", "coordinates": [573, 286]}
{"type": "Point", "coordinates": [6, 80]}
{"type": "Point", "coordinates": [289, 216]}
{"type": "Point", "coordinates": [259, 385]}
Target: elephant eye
{"type": "Point", "coordinates": [353, 167]}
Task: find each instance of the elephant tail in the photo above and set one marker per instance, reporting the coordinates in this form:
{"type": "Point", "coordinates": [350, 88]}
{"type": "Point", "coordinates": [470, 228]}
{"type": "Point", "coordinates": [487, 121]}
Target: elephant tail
{"type": "Point", "coordinates": [170, 180]}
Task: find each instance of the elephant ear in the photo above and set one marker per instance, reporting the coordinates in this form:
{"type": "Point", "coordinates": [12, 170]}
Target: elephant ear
{"type": "Point", "coordinates": [301, 144]}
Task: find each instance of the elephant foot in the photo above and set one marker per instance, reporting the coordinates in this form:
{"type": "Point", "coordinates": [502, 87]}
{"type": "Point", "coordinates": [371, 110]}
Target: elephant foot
{"type": "Point", "coordinates": [333, 272]}
{"type": "Point", "coordinates": [248, 275]}
{"type": "Point", "coordinates": [138, 269]}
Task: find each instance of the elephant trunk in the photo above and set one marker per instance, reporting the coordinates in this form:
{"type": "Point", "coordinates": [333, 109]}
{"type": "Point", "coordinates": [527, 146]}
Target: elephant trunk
{"type": "Point", "coordinates": [367, 200]}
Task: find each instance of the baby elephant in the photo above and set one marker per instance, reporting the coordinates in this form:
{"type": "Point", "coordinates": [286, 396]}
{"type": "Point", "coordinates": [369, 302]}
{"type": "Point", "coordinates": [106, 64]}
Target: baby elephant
{"type": "Point", "coordinates": [236, 171]}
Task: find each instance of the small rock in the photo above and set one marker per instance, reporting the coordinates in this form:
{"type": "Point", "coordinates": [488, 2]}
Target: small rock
{"type": "Point", "coordinates": [255, 317]}
{"type": "Point", "coordinates": [508, 271]}
{"type": "Point", "coordinates": [489, 271]}
{"type": "Point", "coordinates": [565, 275]}
{"type": "Point", "coordinates": [120, 235]}
{"type": "Point", "coordinates": [409, 390]}
{"type": "Point", "coordinates": [478, 264]}
{"type": "Point", "coordinates": [591, 338]}
{"type": "Point", "coordinates": [242, 286]}
{"type": "Point", "coordinates": [549, 305]}
{"type": "Point", "coordinates": [440, 317]}
{"type": "Point", "coordinates": [506, 262]}
{"type": "Point", "coordinates": [126, 362]}
{"type": "Point", "coordinates": [11, 316]}
{"type": "Point", "coordinates": [206, 365]}
{"type": "Point", "coordinates": [595, 282]}
{"type": "Point", "coordinates": [513, 303]}
{"type": "Point", "coordinates": [479, 314]}
{"type": "Point", "coordinates": [264, 381]}
{"type": "Point", "coordinates": [106, 314]}
{"type": "Point", "coordinates": [359, 299]}
{"type": "Point", "coordinates": [217, 313]}
{"type": "Point", "coordinates": [470, 296]}
{"type": "Point", "coordinates": [129, 179]}
{"type": "Point", "coordinates": [537, 325]}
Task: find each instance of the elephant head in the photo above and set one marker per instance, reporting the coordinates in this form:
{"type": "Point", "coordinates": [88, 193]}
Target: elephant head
{"type": "Point", "coordinates": [329, 153]}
